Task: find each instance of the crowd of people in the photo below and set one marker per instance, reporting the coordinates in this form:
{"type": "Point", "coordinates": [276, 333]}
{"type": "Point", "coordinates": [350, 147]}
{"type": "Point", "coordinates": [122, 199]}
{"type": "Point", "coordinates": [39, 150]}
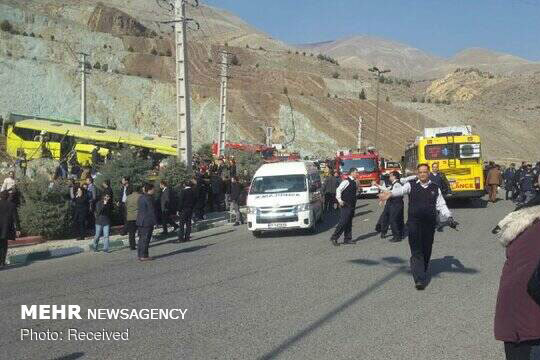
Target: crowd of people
{"type": "Point", "coordinates": [95, 208]}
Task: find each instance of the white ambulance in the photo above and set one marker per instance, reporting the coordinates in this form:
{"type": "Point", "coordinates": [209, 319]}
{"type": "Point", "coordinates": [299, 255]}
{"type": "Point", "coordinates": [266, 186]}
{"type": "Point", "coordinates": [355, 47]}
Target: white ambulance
{"type": "Point", "coordinates": [284, 196]}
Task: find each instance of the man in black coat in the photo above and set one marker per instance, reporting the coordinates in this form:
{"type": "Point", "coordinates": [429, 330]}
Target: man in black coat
{"type": "Point", "coordinates": [217, 188]}
{"type": "Point", "coordinates": [186, 203]}
{"type": "Point", "coordinates": [9, 223]}
{"type": "Point", "coordinates": [201, 191]}
{"type": "Point", "coordinates": [510, 181]}
{"type": "Point", "coordinates": [146, 220]}
{"type": "Point", "coordinates": [168, 206]}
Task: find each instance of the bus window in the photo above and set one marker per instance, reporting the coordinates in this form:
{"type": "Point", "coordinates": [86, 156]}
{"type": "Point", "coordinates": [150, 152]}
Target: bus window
{"type": "Point", "coordinates": [469, 151]}
{"type": "Point", "coordinates": [25, 134]}
{"type": "Point", "coordinates": [436, 152]}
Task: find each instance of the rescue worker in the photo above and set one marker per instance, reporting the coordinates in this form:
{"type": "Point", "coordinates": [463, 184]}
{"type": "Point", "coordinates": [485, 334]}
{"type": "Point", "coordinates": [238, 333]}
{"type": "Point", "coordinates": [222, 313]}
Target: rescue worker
{"type": "Point", "coordinates": [346, 198]}
{"type": "Point", "coordinates": [186, 203]}
{"type": "Point", "coordinates": [425, 199]}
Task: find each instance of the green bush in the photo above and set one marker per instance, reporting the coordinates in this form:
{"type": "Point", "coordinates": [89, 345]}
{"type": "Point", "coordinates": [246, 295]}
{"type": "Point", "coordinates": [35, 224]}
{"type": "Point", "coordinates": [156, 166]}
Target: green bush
{"type": "Point", "coordinates": [246, 164]}
{"type": "Point", "coordinates": [45, 210]}
{"type": "Point", "coordinates": [285, 90]}
{"type": "Point", "coordinates": [205, 152]}
{"type": "Point", "coordinates": [174, 173]}
{"type": "Point", "coordinates": [355, 77]}
{"type": "Point", "coordinates": [335, 75]}
{"type": "Point", "coordinates": [97, 66]}
{"type": "Point", "coordinates": [124, 163]}
{"type": "Point", "coordinates": [130, 49]}
{"type": "Point", "coordinates": [154, 52]}
{"type": "Point", "coordinates": [235, 61]}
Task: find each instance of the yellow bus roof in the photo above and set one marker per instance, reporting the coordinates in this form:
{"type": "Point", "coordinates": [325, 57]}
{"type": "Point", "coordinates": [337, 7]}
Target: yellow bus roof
{"type": "Point", "coordinates": [159, 144]}
{"type": "Point", "coordinates": [449, 139]}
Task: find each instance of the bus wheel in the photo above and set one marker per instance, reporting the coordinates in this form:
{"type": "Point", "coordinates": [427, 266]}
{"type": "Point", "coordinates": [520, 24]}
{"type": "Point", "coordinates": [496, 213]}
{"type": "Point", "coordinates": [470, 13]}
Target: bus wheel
{"type": "Point", "coordinates": [256, 234]}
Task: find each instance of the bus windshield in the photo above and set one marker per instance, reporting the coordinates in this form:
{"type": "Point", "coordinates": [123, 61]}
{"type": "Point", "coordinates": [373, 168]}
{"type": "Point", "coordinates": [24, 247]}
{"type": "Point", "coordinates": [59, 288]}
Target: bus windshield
{"type": "Point", "coordinates": [362, 165]}
{"type": "Point", "coordinates": [278, 184]}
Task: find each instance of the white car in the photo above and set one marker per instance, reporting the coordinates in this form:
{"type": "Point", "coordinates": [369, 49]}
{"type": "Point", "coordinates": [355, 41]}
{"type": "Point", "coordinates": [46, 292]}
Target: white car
{"type": "Point", "coordinates": [283, 196]}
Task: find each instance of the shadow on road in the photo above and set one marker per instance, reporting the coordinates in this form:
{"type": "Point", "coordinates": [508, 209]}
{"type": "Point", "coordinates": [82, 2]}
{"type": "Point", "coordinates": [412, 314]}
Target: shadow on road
{"type": "Point", "coordinates": [181, 251]}
{"type": "Point", "coordinates": [73, 356]}
{"type": "Point", "coordinates": [398, 266]}
{"type": "Point", "coordinates": [366, 236]}
{"type": "Point", "coordinates": [466, 203]}
{"type": "Point", "coordinates": [449, 264]}
{"type": "Point", "coordinates": [172, 241]}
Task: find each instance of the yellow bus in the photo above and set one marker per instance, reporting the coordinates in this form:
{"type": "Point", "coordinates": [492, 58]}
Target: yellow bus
{"type": "Point", "coordinates": [36, 138]}
{"type": "Point", "coordinates": [460, 159]}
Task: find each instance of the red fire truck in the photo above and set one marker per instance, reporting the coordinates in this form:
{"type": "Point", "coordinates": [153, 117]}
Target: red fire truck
{"type": "Point", "coordinates": [368, 166]}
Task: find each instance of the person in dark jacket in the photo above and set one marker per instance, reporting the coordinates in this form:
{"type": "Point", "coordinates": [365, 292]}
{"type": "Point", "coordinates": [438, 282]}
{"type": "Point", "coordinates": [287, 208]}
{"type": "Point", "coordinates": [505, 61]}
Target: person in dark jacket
{"type": "Point", "coordinates": [9, 225]}
{"type": "Point", "coordinates": [132, 203]}
{"type": "Point", "coordinates": [186, 203]}
{"type": "Point", "coordinates": [439, 179]}
{"type": "Point", "coordinates": [217, 187]}
{"type": "Point", "coordinates": [106, 189]}
{"type": "Point", "coordinates": [167, 206]}
{"type": "Point", "coordinates": [103, 214]}
{"type": "Point", "coordinates": [526, 185]}
{"type": "Point", "coordinates": [330, 185]}
{"type": "Point", "coordinates": [509, 181]}
{"type": "Point", "coordinates": [201, 191]}
{"type": "Point", "coordinates": [236, 191]}
{"type": "Point", "coordinates": [517, 316]}
{"type": "Point", "coordinates": [146, 220]}
{"type": "Point", "coordinates": [80, 212]}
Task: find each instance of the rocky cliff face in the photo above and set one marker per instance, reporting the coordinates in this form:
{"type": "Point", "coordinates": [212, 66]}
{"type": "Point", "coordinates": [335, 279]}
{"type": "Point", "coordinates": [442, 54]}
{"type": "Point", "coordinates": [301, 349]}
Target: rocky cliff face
{"type": "Point", "coordinates": [312, 104]}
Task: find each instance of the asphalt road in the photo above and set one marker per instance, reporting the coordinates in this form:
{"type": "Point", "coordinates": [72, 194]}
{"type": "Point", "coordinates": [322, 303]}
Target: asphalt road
{"type": "Point", "coordinates": [293, 296]}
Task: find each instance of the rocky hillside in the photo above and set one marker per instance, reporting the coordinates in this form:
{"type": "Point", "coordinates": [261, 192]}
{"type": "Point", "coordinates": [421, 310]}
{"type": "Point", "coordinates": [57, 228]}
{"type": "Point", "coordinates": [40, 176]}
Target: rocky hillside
{"type": "Point", "coordinates": [312, 103]}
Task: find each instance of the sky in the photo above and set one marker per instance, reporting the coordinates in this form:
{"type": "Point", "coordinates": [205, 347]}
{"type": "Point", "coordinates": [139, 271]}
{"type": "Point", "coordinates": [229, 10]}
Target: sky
{"type": "Point", "coordinates": [439, 27]}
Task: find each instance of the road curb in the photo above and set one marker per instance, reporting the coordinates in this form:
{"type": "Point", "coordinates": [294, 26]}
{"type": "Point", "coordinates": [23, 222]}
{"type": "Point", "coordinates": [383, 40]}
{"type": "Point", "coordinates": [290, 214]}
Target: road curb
{"type": "Point", "coordinates": [21, 259]}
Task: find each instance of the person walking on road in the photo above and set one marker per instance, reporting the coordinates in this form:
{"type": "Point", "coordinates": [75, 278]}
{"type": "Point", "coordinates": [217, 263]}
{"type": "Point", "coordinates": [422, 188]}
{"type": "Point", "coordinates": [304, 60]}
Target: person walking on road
{"type": "Point", "coordinates": [236, 191]}
{"type": "Point", "coordinates": [346, 198]}
{"type": "Point", "coordinates": [103, 221]}
{"type": "Point", "coordinates": [146, 220]}
{"type": "Point", "coordinates": [186, 203]}
{"type": "Point", "coordinates": [425, 200]}
{"type": "Point", "coordinates": [517, 315]}
{"type": "Point", "coordinates": [493, 181]}
{"type": "Point", "coordinates": [330, 186]}
{"type": "Point", "coordinates": [9, 225]}
{"type": "Point", "coordinates": [526, 185]}
{"type": "Point", "coordinates": [132, 203]}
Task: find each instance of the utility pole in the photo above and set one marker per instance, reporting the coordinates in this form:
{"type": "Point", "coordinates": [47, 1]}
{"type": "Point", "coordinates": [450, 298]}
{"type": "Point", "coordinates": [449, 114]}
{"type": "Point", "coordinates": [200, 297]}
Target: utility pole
{"type": "Point", "coordinates": [378, 73]}
{"type": "Point", "coordinates": [223, 103]}
{"type": "Point", "coordinates": [359, 144]}
{"type": "Point", "coordinates": [83, 87]}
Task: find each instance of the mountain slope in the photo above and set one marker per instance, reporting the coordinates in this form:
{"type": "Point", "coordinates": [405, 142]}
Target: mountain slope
{"type": "Point", "coordinates": [312, 104]}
